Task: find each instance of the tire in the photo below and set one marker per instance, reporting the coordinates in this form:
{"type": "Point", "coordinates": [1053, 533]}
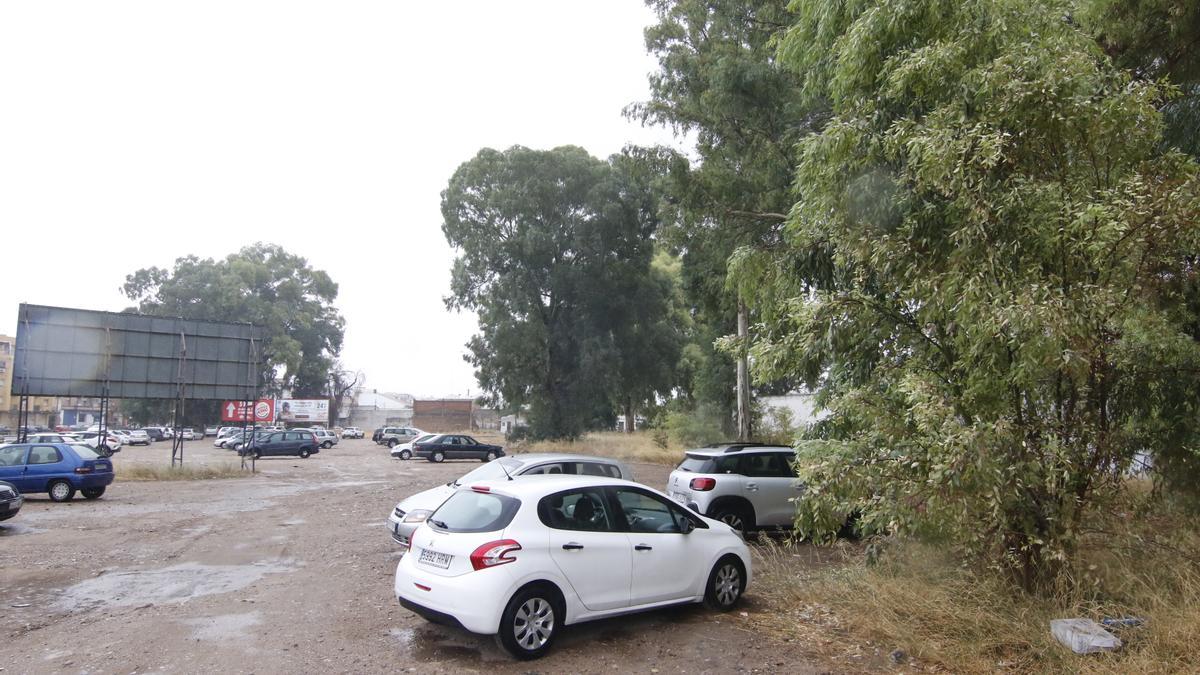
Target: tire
{"type": "Point", "coordinates": [736, 516]}
{"type": "Point", "coordinates": [327, 445]}
{"type": "Point", "coordinates": [530, 622]}
{"type": "Point", "coordinates": [61, 491]}
{"type": "Point", "coordinates": [725, 585]}
{"type": "Point", "coordinates": [104, 451]}
{"type": "Point", "coordinates": [92, 493]}
{"type": "Point", "coordinates": [304, 453]}
{"type": "Point", "coordinates": [392, 443]}
{"type": "Point", "coordinates": [257, 455]}
{"type": "Point", "coordinates": [490, 457]}
{"type": "Point", "coordinates": [406, 455]}
{"type": "Point", "coordinates": [438, 456]}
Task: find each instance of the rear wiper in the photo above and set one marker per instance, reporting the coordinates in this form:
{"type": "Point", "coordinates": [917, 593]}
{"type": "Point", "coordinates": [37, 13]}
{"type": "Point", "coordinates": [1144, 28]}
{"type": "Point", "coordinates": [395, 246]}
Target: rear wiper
{"type": "Point", "coordinates": [438, 523]}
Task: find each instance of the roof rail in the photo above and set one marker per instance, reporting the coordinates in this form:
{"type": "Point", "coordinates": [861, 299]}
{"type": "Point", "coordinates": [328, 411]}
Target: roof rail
{"type": "Point", "coordinates": [735, 446]}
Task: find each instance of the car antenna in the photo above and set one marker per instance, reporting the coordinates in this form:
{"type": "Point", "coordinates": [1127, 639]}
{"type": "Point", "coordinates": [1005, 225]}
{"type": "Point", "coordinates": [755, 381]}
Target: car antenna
{"type": "Point", "coordinates": [506, 473]}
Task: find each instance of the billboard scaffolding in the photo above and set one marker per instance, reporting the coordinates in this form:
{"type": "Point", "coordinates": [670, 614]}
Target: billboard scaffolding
{"type": "Point", "coordinates": [78, 352]}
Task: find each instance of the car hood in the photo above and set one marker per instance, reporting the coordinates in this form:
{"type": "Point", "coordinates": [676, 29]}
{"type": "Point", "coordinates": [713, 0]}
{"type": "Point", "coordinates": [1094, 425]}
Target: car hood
{"type": "Point", "coordinates": [429, 499]}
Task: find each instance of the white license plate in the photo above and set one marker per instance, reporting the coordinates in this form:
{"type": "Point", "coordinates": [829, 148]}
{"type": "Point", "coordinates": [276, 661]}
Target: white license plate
{"type": "Point", "coordinates": [436, 559]}
{"type": "Point", "coordinates": [679, 497]}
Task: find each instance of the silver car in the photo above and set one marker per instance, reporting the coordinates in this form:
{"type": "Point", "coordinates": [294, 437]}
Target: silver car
{"type": "Point", "coordinates": [410, 513]}
{"type": "Point", "coordinates": [744, 485]}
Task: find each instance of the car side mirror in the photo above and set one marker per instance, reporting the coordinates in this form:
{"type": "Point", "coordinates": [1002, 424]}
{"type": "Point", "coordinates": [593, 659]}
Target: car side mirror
{"type": "Point", "coordinates": [687, 526]}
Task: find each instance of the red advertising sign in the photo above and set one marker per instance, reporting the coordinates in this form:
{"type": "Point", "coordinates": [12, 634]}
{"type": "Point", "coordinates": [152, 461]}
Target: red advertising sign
{"type": "Point", "coordinates": [263, 410]}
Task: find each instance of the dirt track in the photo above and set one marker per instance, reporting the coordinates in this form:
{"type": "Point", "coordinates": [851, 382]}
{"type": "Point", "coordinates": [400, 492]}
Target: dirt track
{"type": "Point", "coordinates": [290, 571]}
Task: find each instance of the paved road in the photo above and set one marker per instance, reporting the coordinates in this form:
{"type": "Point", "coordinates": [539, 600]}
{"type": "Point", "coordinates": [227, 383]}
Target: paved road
{"type": "Point", "coordinates": [288, 571]}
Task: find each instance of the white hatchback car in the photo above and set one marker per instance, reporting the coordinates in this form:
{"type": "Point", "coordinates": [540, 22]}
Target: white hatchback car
{"type": "Point", "coordinates": [520, 559]}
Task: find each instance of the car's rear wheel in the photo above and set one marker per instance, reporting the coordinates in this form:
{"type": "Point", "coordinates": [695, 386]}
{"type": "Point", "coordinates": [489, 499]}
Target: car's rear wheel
{"type": "Point", "coordinates": [491, 456]}
{"type": "Point", "coordinates": [92, 493]}
{"type": "Point", "coordinates": [734, 516]}
{"type": "Point", "coordinates": [304, 453]}
{"type": "Point", "coordinates": [104, 451]}
{"type": "Point", "coordinates": [406, 454]}
{"type": "Point", "coordinates": [393, 443]}
{"type": "Point", "coordinates": [327, 445]}
{"type": "Point", "coordinates": [530, 622]}
{"type": "Point", "coordinates": [438, 456]}
{"type": "Point", "coordinates": [61, 491]}
{"type": "Point", "coordinates": [725, 584]}
{"type": "Point", "coordinates": [257, 454]}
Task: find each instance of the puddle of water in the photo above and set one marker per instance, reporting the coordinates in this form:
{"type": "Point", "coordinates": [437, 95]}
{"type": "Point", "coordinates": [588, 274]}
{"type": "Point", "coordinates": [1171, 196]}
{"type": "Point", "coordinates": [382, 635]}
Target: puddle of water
{"type": "Point", "coordinates": [13, 529]}
{"type": "Point", "coordinates": [165, 585]}
{"type": "Point", "coordinates": [223, 627]}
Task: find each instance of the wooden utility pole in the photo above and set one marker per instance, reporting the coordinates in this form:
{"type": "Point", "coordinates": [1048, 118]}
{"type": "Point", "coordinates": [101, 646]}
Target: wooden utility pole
{"type": "Point", "coordinates": [743, 379]}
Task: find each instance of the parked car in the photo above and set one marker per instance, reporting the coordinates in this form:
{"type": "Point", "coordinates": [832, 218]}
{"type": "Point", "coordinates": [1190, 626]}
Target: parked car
{"type": "Point", "coordinates": [405, 450]}
{"type": "Point", "coordinates": [326, 438]}
{"type": "Point", "coordinates": [455, 446]}
{"type": "Point", "coordinates": [298, 442]}
{"type": "Point", "coordinates": [10, 500]}
{"type": "Point", "coordinates": [745, 486]}
{"type": "Point", "coordinates": [154, 433]}
{"type": "Point", "coordinates": [393, 436]}
{"type": "Point", "coordinates": [377, 434]}
{"type": "Point", "coordinates": [412, 511]}
{"type": "Point", "coordinates": [51, 438]}
{"type": "Point", "coordinates": [352, 432]}
{"type": "Point", "coordinates": [138, 437]}
{"type": "Point", "coordinates": [210, 431]}
{"type": "Point", "coordinates": [105, 445]}
{"type": "Point", "coordinates": [56, 468]}
{"type": "Point", "coordinates": [571, 549]}
{"type": "Point", "coordinates": [188, 434]}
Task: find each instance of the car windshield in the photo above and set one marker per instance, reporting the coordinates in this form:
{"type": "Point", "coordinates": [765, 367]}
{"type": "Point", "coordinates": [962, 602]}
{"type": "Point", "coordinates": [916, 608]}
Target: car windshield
{"type": "Point", "coordinates": [471, 511]}
{"type": "Point", "coordinates": [490, 471]}
{"type": "Point", "coordinates": [85, 452]}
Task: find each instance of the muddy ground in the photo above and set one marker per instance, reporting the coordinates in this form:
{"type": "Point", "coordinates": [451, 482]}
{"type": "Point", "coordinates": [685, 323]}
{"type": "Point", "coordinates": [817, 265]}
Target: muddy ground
{"type": "Point", "coordinates": [291, 571]}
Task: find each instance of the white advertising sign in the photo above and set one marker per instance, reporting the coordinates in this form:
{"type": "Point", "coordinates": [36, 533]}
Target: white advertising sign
{"type": "Point", "coordinates": [313, 411]}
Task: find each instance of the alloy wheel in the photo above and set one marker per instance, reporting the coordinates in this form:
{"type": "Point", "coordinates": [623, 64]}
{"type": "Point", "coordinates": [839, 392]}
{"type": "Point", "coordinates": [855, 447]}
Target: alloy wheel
{"type": "Point", "coordinates": [534, 623]}
{"type": "Point", "coordinates": [728, 584]}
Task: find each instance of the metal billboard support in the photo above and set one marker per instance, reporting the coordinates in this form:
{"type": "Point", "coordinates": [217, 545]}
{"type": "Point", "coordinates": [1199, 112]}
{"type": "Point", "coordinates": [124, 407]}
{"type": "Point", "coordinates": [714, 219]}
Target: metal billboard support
{"type": "Point", "coordinates": [177, 439]}
{"type": "Point", "coordinates": [249, 403]}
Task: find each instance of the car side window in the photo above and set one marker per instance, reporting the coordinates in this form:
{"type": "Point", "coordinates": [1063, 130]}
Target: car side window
{"type": "Point", "coordinates": [726, 464]}
{"type": "Point", "coordinates": [13, 455]}
{"type": "Point", "coordinates": [644, 512]}
{"type": "Point", "coordinates": [598, 469]}
{"type": "Point", "coordinates": [584, 510]}
{"type": "Point", "coordinates": [787, 461]}
{"type": "Point", "coordinates": [544, 469]}
{"type": "Point", "coordinates": [44, 454]}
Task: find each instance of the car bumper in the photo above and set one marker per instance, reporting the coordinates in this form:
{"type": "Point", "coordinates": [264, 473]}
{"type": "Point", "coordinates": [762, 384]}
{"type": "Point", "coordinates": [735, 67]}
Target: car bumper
{"type": "Point", "coordinates": [473, 601]}
{"type": "Point", "coordinates": [400, 531]}
{"type": "Point", "coordinates": [10, 508]}
{"type": "Point", "coordinates": [94, 480]}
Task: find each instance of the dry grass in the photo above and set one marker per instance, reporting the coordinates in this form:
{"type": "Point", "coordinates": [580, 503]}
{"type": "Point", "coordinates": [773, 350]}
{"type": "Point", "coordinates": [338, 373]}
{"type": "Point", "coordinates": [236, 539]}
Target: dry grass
{"type": "Point", "coordinates": [635, 447]}
{"type": "Point", "coordinates": [953, 618]}
{"type": "Point", "coordinates": [132, 471]}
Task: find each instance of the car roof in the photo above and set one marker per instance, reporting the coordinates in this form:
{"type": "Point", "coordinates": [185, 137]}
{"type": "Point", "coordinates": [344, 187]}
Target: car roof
{"type": "Point", "coordinates": [728, 448]}
{"type": "Point", "coordinates": [538, 486]}
{"type": "Point", "coordinates": [531, 457]}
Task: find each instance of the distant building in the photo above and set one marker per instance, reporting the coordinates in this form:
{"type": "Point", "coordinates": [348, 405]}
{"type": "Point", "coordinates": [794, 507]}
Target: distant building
{"type": "Point", "coordinates": [444, 415]}
{"type": "Point", "coordinates": [799, 406]}
{"type": "Point", "coordinates": [372, 410]}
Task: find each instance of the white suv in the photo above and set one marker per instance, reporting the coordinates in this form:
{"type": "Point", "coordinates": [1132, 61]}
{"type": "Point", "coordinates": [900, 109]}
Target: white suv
{"type": "Point", "coordinates": [743, 485]}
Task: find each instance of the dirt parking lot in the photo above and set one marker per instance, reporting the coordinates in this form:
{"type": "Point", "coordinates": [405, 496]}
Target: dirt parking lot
{"type": "Point", "coordinates": [290, 571]}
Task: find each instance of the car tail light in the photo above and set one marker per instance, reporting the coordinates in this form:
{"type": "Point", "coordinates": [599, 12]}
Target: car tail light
{"type": "Point", "coordinates": [703, 484]}
{"type": "Point", "coordinates": [83, 469]}
{"type": "Point", "coordinates": [481, 488]}
{"type": "Point", "coordinates": [494, 553]}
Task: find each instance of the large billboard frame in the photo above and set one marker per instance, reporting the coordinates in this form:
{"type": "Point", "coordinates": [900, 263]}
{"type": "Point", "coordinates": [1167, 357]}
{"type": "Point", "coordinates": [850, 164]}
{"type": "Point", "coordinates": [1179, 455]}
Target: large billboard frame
{"type": "Point", "coordinates": [75, 352]}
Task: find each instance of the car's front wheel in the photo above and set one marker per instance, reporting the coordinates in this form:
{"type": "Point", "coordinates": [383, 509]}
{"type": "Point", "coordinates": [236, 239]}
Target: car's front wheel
{"type": "Point", "coordinates": [61, 491]}
{"type": "Point", "coordinates": [725, 584]}
{"type": "Point", "coordinates": [92, 493]}
{"type": "Point", "coordinates": [406, 454]}
{"type": "Point", "coordinates": [733, 516]}
{"type": "Point", "coordinates": [104, 451]}
{"type": "Point", "coordinates": [393, 443]}
{"type": "Point", "coordinates": [491, 456]}
{"type": "Point", "coordinates": [530, 622]}
{"type": "Point", "coordinates": [257, 455]}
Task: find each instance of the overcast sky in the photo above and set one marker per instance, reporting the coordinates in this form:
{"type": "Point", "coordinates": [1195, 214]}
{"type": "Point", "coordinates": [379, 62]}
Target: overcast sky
{"type": "Point", "coordinates": [133, 133]}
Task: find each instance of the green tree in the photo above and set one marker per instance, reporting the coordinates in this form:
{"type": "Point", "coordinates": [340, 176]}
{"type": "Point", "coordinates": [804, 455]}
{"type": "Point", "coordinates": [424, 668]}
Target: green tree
{"type": "Point", "coordinates": [719, 80]}
{"type": "Point", "coordinates": [260, 284]}
{"type": "Point", "coordinates": [554, 254]}
{"type": "Point", "coordinates": [997, 336]}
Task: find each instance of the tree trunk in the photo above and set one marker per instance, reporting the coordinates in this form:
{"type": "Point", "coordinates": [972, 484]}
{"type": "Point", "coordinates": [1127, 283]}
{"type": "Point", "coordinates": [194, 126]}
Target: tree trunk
{"type": "Point", "coordinates": [629, 415]}
{"type": "Point", "coordinates": [743, 380]}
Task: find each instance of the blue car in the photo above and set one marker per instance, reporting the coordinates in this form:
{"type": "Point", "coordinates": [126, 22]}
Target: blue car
{"type": "Point", "coordinates": [59, 469]}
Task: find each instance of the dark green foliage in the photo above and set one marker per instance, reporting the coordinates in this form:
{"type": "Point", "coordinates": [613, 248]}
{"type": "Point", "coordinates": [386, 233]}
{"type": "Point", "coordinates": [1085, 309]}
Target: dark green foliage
{"type": "Point", "coordinates": [555, 254]}
{"type": "Point", "coordinates": [260, 284]}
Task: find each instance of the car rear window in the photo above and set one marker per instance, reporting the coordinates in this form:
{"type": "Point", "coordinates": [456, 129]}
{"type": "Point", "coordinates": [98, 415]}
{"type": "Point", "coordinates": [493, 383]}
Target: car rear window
{"type": "Point", "coordinates": [708, 464]}
{"type": "Point", "coordinates": [85, 452]}
{"type": "Point", "coordinates": [471, 511]}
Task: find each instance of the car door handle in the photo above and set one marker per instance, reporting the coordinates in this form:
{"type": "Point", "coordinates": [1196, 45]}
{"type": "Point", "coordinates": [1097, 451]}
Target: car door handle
{"type": "Point", "coordinates": [572, 546]}
{"type": "Point", "coordinates": [643, 547]}
{"type": "Point", "coordinates": [753, 487]}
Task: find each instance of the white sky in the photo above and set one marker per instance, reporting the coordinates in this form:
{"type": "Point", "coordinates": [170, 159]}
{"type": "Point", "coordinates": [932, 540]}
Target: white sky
{"type": "Point", "coordinates": [133, 133]}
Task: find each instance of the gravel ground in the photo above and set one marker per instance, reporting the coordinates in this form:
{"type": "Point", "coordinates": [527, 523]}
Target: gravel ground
{"type": "Point", "coordinates": [291, 571]}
